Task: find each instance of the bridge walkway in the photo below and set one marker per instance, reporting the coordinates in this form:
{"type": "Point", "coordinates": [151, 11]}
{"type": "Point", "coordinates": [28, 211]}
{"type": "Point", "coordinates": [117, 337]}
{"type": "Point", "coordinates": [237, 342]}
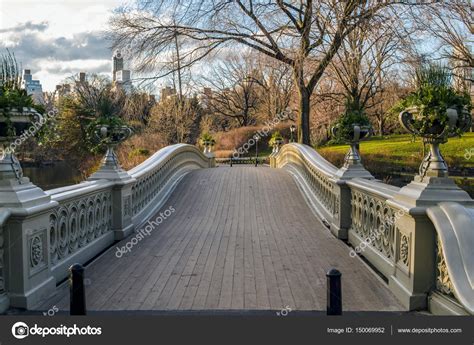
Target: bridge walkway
{"type": "Point", "coordinates": [239, 238]}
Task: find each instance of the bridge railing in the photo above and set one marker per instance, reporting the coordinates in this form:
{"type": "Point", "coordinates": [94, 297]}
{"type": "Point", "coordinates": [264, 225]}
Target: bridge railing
{"type": "Point", "coordinates": [372, 230]}
{"type": "Point", "coordinates": [156, 177]}
{"type": "Point", "coordinates": [53, 229]}
{"type": "Point", "coordinates": [418, 242]}
{"type": "Point", "coordinates": [316, 179]}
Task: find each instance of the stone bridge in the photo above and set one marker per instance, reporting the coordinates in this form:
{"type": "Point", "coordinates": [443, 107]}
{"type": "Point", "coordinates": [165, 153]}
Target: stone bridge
{"type": "Point", "coordinates": [179, 233]}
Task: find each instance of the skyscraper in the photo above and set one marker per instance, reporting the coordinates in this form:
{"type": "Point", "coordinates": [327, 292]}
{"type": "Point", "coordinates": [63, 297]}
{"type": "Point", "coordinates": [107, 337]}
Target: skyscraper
{"type": "Point", "coordinates": [120, 76]}
{"type": "Point", "coordinates": [117, 64]}
{"type": "Point", "coordinates": [32, 87]}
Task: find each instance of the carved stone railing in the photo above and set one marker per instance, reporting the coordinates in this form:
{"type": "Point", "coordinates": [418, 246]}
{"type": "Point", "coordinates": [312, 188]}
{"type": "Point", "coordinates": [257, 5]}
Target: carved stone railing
{"type": "Point", "coordinates": [79, 226]}
{"type": "Point", "coordinates": [315, 177]}
{"type": "Point", "coordinates": [53, 229]}
{"type": "Point", "coordinates": [158, 175]}
{"type": "Point", "coordinates": [372, 232]}
{"type": "Point", "coordinates": [454, 257]}
{"type": "Point", "coordinates": [420, 243]}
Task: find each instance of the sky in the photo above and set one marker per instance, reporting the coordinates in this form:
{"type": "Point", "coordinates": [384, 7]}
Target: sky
{"type": "Point", "coordinates": [57, 38]}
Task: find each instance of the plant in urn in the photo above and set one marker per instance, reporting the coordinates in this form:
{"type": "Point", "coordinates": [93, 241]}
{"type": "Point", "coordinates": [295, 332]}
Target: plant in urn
{"type": "Point", "coordinates": [351, 128]}
{"type": "Point", "coordinates": [110, 132]}
{"type": "Point", "coordinates": [435, 111]}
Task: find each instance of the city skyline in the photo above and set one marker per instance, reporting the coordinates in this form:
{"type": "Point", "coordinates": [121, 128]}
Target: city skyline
{"type": "Point", "coordinates": [55, 39]}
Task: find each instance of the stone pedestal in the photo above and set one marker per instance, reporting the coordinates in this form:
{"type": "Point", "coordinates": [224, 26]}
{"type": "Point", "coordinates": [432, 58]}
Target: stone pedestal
{"type": "Point", "coordinates": [27, 271]}
{"type": "Point", "coordinates": [212, 158]}
{"type": "Point", "coordinates": [352, 168]}
{"type": "Point", "coordinates": [121, 194]}
{"type": "Point", "coordinates": [415, 241]}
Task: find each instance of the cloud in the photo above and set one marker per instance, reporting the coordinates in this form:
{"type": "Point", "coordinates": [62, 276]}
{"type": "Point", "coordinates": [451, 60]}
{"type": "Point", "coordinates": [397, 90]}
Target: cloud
{"type": "Point", "coordinates": [28, 26]}
{"type": "Point", "coordinates": [74, 66]}
{"type": "Point", "coordinates": [53, 58]}
{"type": "Point", "coordinates": [34, 45]}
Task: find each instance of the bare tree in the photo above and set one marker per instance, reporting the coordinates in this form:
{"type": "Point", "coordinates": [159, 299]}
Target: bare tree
{"type": "Point", "coordinates": [364, 65]}
{"type": "Point", "coordinates": [177, 121]}
{"type": "Point", "coordinates": [276, 84]}
{"type": "Point", "coordinates": [450, 22]}
{"type": "Point", "coordinates": [304, 34]}
{"type": "Point", "coordinates": [235, 82]}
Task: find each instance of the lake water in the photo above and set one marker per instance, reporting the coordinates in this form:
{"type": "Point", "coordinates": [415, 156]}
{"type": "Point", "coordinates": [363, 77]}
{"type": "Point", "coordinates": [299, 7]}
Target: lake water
{"type": "Point", "coordinates": [57, 175]}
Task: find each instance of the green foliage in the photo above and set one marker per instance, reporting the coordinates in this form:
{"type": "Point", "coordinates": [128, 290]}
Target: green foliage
{"type": "Point", "coordinates": [207, 138]}
{"type": "Point", "coordinates": [276, 136]}
{"type": "Point", "coordinates": [112, 121]}
{"type": "Point", "coordinates": [352, 116]}
{"type": "Point", "coordinates": [12, 96]}
{"type": "Point", "coordinates": [433, 95]}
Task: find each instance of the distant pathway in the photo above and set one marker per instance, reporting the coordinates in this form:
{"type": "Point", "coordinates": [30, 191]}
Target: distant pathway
{"type": "Point", "coordinates": [240, 238]}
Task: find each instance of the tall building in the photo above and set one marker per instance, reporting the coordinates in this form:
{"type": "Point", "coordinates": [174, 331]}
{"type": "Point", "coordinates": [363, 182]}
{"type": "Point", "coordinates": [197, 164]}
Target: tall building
{"type": "Point", "coordinates": [117, 64]}
{"type": "Point", "coordinates": [120, 76]}
{"type": "Point", "coordinates": [32, 87]}
{"type": "Point", "coordinates": [167, 92]}
{"type": "Point", "coordinates": [82, 77]}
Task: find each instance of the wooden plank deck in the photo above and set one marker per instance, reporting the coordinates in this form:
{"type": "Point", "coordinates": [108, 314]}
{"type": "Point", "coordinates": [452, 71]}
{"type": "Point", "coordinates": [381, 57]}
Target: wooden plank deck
{"type": "Point", "coordinates": [240, 238]}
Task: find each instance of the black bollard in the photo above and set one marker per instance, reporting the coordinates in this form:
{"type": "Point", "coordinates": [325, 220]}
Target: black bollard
{"type": "Point", "coordinates": [334, 297]}
{"type": "Point", "coordinates": [231, 161]}
{"type": "Point", "coordinates": [76, 290]}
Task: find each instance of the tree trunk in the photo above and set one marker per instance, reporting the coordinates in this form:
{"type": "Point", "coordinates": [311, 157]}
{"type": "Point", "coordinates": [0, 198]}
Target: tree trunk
{"type": "Point", "coordinates": [303, 118]}
{"type": "Point", "coordinates": [381, 126]}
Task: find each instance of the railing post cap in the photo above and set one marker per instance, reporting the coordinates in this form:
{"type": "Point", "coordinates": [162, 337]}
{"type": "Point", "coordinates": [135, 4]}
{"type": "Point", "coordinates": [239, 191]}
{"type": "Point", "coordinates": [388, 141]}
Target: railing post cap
{"type": "Point", "coordinates": [76, 267]}
{"type": "Point", "coordinates": [333, 273]}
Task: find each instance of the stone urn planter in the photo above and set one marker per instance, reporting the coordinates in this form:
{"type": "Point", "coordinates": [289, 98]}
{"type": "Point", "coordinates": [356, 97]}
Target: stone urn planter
{"type": "Point", "coordinates": [353, 136]}
{"type": "Point", "coordinates": [435, 133]}
{"type": "Point", "coordinates": [208, 142]}
{"type": "Point", "coordinates": [111, 136]}
{"type": "Point", "coordinates": [276, 144]}
{"type": "Point", "coordinates": [14, 129]}
{"type": "Point", "coordinates": [208, 145]}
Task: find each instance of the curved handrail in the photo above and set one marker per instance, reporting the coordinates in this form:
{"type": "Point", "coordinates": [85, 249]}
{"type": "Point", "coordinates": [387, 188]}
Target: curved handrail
{"type": "Point", "coordinates": [453, 224]}
{"type": "Point", "coordinates": [315, 177]}
{"type": "Point", "coordinates": [307, 152]}
{"type": "Point", "coordinates": [4, 215]}
{"type": "Point", "coordinates": [160, 156]}
{"type": "Point", "coordinates": [160, 173]}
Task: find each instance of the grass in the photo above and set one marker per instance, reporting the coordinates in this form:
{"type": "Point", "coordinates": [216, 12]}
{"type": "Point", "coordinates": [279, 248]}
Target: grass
{"type": "Point", "coordinates": [401, 153]}
{"type": "Point", "coordinates": [396, 155]}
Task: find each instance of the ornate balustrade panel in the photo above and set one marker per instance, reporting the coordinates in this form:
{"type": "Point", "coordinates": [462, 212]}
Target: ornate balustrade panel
{"type": "Point", "coordinates": [373, 230]}
{"type": "Point", "coordinates": [154, 176]}
{"type": "Point", "coordinates": [455, 255]}
{"type": "Point", "coordinates": [315, 176]}
{"type": "Point", "coordinates": [82, 218]}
